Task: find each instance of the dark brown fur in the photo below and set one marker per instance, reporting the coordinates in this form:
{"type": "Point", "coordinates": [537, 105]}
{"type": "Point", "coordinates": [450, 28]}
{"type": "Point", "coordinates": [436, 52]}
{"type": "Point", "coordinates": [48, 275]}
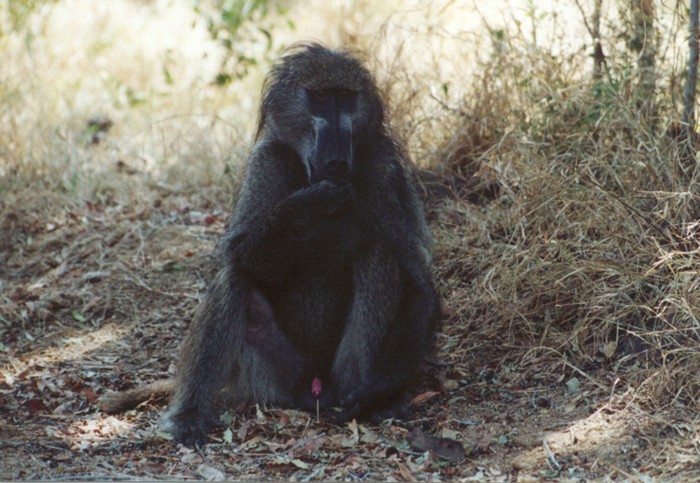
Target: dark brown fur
{"type": "Point", "coordinates": [334, 270]}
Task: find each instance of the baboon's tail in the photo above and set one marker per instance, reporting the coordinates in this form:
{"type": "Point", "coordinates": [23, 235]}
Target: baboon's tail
{"type": "Point", "coordinates": [117, 402]}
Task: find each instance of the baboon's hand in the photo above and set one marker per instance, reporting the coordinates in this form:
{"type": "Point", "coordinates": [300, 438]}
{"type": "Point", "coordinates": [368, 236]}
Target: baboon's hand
{"type": "Point", "coordinates": [360, 402]}
{"type": "Point", "coordinates": [353, 403]}
{"type": "Point", "coordinates": [325, 199]}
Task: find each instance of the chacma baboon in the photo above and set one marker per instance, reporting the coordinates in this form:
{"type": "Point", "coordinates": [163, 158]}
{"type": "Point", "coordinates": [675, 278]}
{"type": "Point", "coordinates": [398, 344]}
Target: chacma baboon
{"type": "Point", "coordinates": [325, 269]}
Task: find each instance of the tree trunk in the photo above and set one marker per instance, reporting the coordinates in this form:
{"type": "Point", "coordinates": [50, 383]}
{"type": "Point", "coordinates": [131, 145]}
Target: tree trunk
{"type": "Point", "coordinates": [688, 160]}
{"type": "Point", "coordinates": [691, 82]}
{"type": "Point", "coordinates": [642, 43]}
{"type": "Point", "coordinates": [598, 56]}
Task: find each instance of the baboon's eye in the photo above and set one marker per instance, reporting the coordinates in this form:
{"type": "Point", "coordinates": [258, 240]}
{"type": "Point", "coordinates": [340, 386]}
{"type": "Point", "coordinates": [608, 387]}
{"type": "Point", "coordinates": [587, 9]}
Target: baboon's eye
{"type": "Point", "coordinates": [320, 94]}
{"type": "Point", "coordinates": [345, 94]}
{"type": "Point", "coordinates": [323, 94]}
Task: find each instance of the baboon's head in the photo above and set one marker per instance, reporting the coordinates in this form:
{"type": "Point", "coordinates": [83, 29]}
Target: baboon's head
{"type": "Point", "coordinates": [325, 105]}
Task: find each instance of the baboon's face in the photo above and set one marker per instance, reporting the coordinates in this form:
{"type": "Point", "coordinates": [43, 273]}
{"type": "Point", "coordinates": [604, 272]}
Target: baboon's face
{"type": "Point", "coordinates": [329, 148]}
{"type": "Point", "coordinates": [325, 106]}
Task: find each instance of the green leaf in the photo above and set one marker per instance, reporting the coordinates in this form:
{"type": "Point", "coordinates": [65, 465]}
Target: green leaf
{"type": "Point", "coordinates": [573, 385]}
{"type": "Point", "coordinates": [502, 440]}
{"type": "Point", "coordinates": [78, 316]}
{"type": "Point", "coordinates": [228, 436]}
{"type": "Point", "coordinates": [226, 418]}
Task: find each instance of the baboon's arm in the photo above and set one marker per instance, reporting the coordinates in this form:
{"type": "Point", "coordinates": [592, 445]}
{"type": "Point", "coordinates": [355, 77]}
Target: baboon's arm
{"type": "Point", "coordinates": [302, 224]}
{"type": "Point", "coordinates": [377, 283]}
{"type": "Point", "coordinates": [387, 334]}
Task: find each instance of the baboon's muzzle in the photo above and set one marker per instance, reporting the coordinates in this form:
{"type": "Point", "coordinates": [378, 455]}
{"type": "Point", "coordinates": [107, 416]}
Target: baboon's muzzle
{"type": "Point", "coordinates": [332, 112]}
{"type": "Point", "coordinates": [334, 152]}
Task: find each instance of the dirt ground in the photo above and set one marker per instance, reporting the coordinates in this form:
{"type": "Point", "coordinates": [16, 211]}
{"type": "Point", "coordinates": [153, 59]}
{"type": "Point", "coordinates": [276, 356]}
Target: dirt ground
{"type": "Point", "coordinates": [96, 297]}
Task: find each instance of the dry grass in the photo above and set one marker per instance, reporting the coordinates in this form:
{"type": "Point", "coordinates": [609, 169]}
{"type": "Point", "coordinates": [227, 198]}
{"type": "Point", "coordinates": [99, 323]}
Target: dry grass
{"type": "Point", "coordinates": [580, 251]}
{"type": "Point", "coordinates": [567, 227]}
{"type": "Point", "coordinates": [590, 236]}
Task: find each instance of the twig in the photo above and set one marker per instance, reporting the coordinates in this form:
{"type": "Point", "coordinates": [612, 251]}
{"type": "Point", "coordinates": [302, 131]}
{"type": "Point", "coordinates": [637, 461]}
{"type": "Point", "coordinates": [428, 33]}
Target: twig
{"type": "Point", "coordinates": [585, 19]}
{"type": "Point", "coordinates": [58, 446]}
{"type": "Point", "coordinates": [622, 472]}
{"type": "Point", "coordinates": [612, 390]}
{"type": "Point", "coordinates": [313, 473]}
{"type": "Point", "coordinates": [110, 477]}
{"type": "Point", "coordinates": [667, 235]}
{"type": "Point", "coordinates": [552, 459]}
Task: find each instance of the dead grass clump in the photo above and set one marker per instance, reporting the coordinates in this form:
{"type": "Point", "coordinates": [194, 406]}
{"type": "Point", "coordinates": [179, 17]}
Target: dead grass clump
{"type": "Point", "coordinates": [584, 253]}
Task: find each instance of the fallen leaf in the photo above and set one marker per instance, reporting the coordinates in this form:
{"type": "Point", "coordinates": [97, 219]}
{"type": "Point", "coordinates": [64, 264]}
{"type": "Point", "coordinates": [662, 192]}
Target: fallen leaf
{"type": "Point", "coordinates": [422, 397]}
{"type": "Point", "coordinates": [209, 473]}
{"type": "Point", "coordinates": [300, 464]}
{"type": "Point", "coordinates": [313, 445]}
{"type": "Point", "coordinates": [484, 442]}
{"type": "Point", "coordinates": [35, 405]}
{"type": "Point", "coordinates": [352, 426]}
{"type": "Point", "coordinates": [450, 385]}
{"type": "Point", "coordinates": [252, 442]}
{"type": "Point", "coordinates": [573, 385]}
{"type": "Point", "coordinates": [243, 431]}
{"type": "Point", "coordinates": [283, 418]}
{"type": "Point", "coordinates": [368, 436]}
{"type": "Point", "coordinates": [191, 458]}
{"type": "Point", "coordinates": [449, 433]}
{"type": "Point", "coordinates": [502, 440]}
{"type": "Point", "coordinates": [78, 316]}
{"type": "Point", "coordinates": [405, 473]}
{"type": "Point", "coordinates": [445, 448]}
{"type": "Point", "coordinates": [89, 394]}
{"type": "Point", "coordinates": [609, 349]}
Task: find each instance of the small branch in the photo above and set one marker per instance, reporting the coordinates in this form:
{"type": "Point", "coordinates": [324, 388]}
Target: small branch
{"type": "Point", "coordinates": [552, 459]}
{"type": "Point", "coordinates": [313, 474]}
{"type": "Point", "coordinates": [585, 20]}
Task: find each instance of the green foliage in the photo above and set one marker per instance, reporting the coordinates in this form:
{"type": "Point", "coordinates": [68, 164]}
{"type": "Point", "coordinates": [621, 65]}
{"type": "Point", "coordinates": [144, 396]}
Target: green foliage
{"type": "Point", "coordinates": [242, 27]}
{"type": "Point", "coordinates": [15, 13]}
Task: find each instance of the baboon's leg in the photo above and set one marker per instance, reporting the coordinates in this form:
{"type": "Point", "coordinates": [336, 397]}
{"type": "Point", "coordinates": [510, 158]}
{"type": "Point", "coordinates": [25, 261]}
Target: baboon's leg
{"type": "Point", "coordinates": [210, 357]}
{"type": "Point", "coordinates": [286, 361]}
{"type": "Point", "coordinates": [235, 341]}
{"type": "Point", "coordinates": [398, 362]}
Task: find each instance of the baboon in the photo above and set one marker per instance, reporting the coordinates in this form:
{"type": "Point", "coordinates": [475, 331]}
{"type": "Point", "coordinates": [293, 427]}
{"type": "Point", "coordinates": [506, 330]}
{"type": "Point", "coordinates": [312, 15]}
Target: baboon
{"type": "Point", "coordinates": [325, 268]}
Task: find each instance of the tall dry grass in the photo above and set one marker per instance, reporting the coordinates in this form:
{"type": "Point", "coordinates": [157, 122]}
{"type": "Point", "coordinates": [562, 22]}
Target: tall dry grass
{"type": "Point", "coordinates": [578, 245]}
